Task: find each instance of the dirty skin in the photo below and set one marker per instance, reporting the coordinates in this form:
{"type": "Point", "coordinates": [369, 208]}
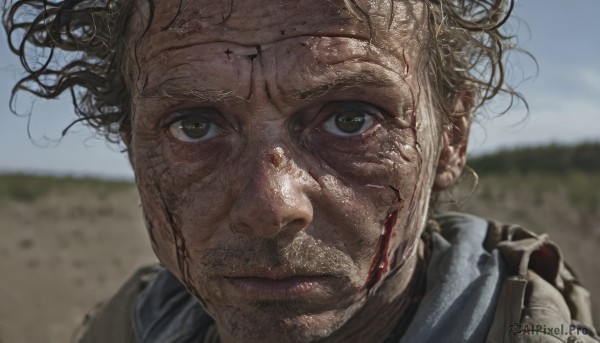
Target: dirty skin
{"type": "Point", "coordinates": [277, 172]}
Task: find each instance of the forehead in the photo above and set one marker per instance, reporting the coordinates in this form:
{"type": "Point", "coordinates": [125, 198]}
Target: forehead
{"type": "Point", "coordinates": [205, 47]}
{"type": "Point", "coordinates": [385, 23]}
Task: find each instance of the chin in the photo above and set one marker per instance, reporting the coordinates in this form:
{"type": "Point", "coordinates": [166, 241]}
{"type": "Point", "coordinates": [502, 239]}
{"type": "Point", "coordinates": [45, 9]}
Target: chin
{"type": "Point", "coordinates": [278, 322]}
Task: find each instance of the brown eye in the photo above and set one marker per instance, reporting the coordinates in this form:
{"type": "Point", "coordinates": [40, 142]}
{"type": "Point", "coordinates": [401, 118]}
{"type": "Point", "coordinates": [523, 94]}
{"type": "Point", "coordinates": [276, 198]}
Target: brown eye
{"type": "Point", "coordinates": [193, 128]}
{"type": "Point", "coordinates": [348, 123]}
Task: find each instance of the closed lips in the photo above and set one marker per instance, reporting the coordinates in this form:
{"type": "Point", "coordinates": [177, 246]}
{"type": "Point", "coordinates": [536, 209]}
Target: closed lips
{"type": "Point", "coordinates": [265, 288]}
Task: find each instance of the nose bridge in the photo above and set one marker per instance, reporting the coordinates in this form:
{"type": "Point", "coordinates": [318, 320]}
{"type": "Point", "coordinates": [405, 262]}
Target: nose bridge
{"type": "Point", "coordinates": [272, 198]}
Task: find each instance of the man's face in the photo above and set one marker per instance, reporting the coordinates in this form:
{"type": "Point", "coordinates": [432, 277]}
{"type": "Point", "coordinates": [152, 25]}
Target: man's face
{"type": "Point", "coordinates": [284, 156]}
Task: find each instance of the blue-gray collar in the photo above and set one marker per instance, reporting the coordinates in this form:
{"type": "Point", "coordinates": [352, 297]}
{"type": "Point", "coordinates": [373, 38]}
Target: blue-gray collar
{"type": "Point", "coordinates": [463, 282]}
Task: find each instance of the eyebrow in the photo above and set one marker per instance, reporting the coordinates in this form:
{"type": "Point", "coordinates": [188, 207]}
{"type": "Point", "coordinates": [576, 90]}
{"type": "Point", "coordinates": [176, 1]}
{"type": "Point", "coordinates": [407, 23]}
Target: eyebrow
{"type": "Point", "coordinates": [176, 91]}
{"type": "Point", "coordinates": [323, 86]}
{"type": "Point", "coordinates": [358, 80]}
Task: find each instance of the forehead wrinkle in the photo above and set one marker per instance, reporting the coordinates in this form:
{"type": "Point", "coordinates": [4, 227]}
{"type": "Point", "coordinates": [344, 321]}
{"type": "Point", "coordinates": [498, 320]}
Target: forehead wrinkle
{"type": "Point", "coordinates": [241, 47]}
{"type": "Point", "coordinates": [244, 26]}
{"type": "Point", "coordinates": [245, 15]}
{"type": "Point", "coordinates": [198, 40]}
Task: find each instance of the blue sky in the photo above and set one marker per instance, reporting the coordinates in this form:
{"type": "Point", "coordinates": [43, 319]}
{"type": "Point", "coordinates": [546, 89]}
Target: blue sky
{"type": "Point", "coordinates": [564, 99]}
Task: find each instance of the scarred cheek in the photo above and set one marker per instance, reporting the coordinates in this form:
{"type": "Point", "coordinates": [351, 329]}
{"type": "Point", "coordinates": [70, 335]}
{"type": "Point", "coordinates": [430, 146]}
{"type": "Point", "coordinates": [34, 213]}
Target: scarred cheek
{"type": "Point", "coordinates": [398, 197]}
{"type": "Point", "coordinates": [172, 194]}
{"type": "Point", "coordinates": [175, 228]}
{"type": "Point", "coordinates": [381, 261]}
{"type": "Point", "coordinates": [399, 234]}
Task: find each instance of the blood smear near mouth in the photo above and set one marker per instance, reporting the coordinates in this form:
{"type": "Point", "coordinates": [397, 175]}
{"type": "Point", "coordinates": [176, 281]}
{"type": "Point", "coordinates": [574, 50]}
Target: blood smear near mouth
{"type": "Point", "coordinates": [380, 263]}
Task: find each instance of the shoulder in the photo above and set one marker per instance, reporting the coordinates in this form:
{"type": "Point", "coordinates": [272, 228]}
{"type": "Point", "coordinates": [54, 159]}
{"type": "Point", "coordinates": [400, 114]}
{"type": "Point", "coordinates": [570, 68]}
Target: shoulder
{"type": "Point", "coordinates": [541, 299]}
{"type": "Point", "coordinates": [112, 320]}
{"type": "Point", "coordinates": [152, 306]}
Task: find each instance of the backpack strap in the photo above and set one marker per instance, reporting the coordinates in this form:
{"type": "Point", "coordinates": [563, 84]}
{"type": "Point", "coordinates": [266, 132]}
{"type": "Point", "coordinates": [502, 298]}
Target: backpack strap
{"type": "Point", "coordinates": [541, 300]}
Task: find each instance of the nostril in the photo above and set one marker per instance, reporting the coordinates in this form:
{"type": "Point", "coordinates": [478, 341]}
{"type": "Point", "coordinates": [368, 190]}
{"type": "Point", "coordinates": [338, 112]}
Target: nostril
{"type": "Point", "coordinates": [239, 227]}
{"type": "Point", "coordinates": [274, 159]}
{"type": "Point", "coordinates": [295, 225]}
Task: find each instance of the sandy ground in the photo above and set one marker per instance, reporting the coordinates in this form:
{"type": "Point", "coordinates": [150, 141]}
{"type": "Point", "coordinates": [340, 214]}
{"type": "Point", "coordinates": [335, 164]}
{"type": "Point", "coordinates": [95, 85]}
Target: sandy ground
{"type": "Point", "coordinates": [64, 252]}
{"type": "Point", "coordinates": [60, 255]}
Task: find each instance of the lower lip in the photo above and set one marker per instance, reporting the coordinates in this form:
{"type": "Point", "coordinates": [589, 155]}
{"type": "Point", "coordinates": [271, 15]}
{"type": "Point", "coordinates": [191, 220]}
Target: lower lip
{"type": "Point", "coordinates": [283, 289]}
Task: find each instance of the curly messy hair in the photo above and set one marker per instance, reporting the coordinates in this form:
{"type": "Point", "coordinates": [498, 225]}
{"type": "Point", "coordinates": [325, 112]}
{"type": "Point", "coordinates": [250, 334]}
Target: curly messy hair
{"type": "Point", "coordinates": [465, 51]}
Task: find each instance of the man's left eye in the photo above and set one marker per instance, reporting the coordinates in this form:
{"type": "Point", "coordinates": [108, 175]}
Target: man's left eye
{"type": "Point", "coordinates": [193, 129]}
{"type": "Point", "coordinates": [348, 123]}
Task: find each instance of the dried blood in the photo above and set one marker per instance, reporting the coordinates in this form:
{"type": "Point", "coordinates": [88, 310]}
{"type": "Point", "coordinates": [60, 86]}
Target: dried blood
{"type": "Point", "coordinates": [380, 264]}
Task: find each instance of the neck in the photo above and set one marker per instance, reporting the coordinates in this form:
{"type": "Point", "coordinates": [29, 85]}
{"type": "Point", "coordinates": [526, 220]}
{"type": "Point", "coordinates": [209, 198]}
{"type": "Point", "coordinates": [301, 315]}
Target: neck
{"type": "Point", "coordinates": [390, 309]}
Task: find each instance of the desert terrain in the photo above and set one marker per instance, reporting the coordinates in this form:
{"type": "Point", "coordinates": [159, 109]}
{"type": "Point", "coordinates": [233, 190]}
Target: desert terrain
{"type": "Point", "coordinates": [64, 246]}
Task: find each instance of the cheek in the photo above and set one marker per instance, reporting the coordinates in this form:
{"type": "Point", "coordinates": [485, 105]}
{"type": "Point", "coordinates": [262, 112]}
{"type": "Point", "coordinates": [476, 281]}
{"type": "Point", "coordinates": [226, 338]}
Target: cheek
{"type": "Point", "coordinates": [151, 170]}
{"type": "Point", "coordinates": [374, 186]}
{"type": "Point", "coordinates": [184, 203]}
{"type": "Point", "coordinates": [391, 172]}
{"type": "Point", "coordinates": [183, 223]}
{"type": "Point", "coordinates": [411, 219]}
{"type": "Point", "coordinates": [384, 166]}
{"type": "Point", "coordinates": [383, 149]}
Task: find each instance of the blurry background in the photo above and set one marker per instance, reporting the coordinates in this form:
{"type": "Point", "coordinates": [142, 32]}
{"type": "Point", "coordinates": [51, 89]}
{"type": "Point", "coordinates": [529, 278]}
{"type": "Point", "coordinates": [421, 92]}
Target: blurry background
{"type": "Point", "coordinates": [71, 228]}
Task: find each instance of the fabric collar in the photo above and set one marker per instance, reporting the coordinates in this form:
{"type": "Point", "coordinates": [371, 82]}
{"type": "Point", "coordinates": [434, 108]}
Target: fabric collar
{"type": "Point", "coordinates": [463, 282]}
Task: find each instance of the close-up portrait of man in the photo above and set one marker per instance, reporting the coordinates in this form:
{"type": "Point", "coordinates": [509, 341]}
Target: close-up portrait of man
{"type": "Point", "coordinates": [288, 157]}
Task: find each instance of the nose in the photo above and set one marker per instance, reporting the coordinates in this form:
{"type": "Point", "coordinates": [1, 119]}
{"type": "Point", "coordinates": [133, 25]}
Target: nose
{"type": "Point", "coordinates": [272, 200]}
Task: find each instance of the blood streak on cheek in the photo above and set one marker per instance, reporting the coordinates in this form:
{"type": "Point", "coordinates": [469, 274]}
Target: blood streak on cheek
{"type": "Point", "coordinates": [381, 263]}
{"type": "Point", "coordinates": [181, 251]}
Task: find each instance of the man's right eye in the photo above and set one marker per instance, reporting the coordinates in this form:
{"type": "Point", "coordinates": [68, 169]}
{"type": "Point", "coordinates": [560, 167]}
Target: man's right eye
{"type": "Point", "coordinates": [193, 128]}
